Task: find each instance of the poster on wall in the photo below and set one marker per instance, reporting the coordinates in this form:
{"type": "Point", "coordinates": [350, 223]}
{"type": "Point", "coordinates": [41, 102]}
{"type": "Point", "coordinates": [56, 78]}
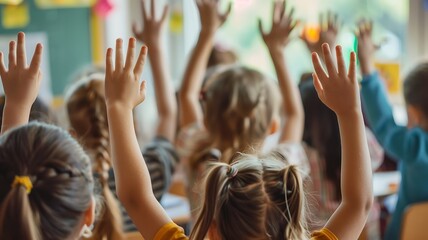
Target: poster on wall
{"type": "Point", "coordinates": [390, 73]}
{"type": "Point", "coordinates": [15, 16]}
{"type": "Point", "coordinates": [64, 3]}
{"type": "Point", "coordinates": [31, 40]}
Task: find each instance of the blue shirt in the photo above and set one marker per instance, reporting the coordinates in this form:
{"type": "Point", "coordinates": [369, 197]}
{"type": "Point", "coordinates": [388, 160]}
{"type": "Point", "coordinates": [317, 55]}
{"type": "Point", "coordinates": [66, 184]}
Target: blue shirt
{"type": "Point", "coordinates": [408, 146]}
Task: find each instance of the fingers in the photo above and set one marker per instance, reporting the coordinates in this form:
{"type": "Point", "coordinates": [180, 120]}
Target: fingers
{"type": "Point", "coordinates": [262, 32]}
{"type": "Point", "coordinates": [341, 67]}
{"type": "Point", "coordinates": [21, 55]}
{"type": "Point", "coordinates": [144, 10]}
{"type": "Point", "coordinates": [227, 13]}
{"type": "Point", "coordinates": [165, 13]}
{"type": "Point", "coordinates": [318, 67]}
{"type": "Point", "coordinates": [36, 61]}
{"type": "Point", "coordinates": [12, 54]}
{"type": "Point", "coordinates": [276, 12]}
{"type": "Point", "coordinates": [283, 7]}
{"type": "Point", "coordinates": [152, 9]}
{"type": "Point", "coordinates": [109, 62]}
{"type": "Point", "coordinates": [352, 73]}
{"type": "Point", "coordinates": [119, 54]}
{"type": "Point", "coordinates": [317, 84]}
{"type": "Point", "coordinates": [2, 67]}
{"type": "Point", "coordinates": [328, 60]}
{"type": "Point", "coordinates": [139, 65]}
{"type": "Point", "coordinates": [130, 55]}
{"type": "Point", "coordinates": [143, 87]}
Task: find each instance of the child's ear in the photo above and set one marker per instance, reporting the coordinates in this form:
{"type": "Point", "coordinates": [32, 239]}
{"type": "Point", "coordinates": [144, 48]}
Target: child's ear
{"type": "Point", "coordinates": [89, 217]}
{"type": "Point", "coordinates": [414, 115]}
{"type": "Point", "coordinates": [274, 125]}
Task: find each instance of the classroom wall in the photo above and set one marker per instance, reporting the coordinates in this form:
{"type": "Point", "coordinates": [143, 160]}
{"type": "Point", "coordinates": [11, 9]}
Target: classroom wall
{"type": "Point", "coordinates": [68, 36]}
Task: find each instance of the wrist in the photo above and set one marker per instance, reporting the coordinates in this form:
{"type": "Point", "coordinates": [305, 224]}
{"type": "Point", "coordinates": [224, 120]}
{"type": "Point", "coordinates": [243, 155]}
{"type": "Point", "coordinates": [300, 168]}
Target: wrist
{"type": "Point", "coordinates": [367, 68]}
{"type": "Point", "coordinates": [350, 115]}
{"type": "Point", "coordinates": [207, 34]}
{"type": "Point", "coordinates": [120, 108]}
{"type": "Point", "coordinates": [276, 51]}
{"type": "Point", "coordinates": [17, 106]}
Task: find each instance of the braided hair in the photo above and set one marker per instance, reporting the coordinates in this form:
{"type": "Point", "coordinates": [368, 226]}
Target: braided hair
{"type": "Point", "coordinates": [88, 118]}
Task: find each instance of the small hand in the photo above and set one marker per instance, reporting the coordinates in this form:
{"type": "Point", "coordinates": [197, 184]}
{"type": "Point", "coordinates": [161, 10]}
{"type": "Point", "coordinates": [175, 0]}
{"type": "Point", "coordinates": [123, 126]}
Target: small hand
{"type": "Point", "coordinates": [210, 16]}
{"type": "Point", "coordinates": [122, 85]}
{"type": "Point", "coordinates": [329, 30]}
{"type": "Point", "coordinates": [366, 46]}
{"type": "Point", "coordinates": [152, 28]}
{"type": "Point", "coordinates": [282, 26]}
{"type": "Point", "coordinates": [21, 82]}
{"type": "Point", "coordinates": [337, 88]}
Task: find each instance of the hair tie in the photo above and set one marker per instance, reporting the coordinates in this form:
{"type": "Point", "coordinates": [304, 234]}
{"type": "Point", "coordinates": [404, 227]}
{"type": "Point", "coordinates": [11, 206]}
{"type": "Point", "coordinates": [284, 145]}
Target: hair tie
{"type": "Point", "coordinates": [24, 181]}
{"type": "Point", "coordinates": [231, 172]}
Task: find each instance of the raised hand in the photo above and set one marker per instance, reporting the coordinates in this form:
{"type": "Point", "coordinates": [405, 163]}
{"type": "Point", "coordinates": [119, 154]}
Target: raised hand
{"type": "Point", "coordinates": [122, 87]}
{"type": "Point", "coordinates": [21, 82]}
{"type": "Point", "coordinates": [152, 28]}
{"type": "Point", "coordinates": [329, 30]}
{"type": "Point", "coordinates": [210, 16]}
{"type": "Point", "coordinates": [366, 46]}
{"type": "Point", "coordinates": [282, 26]}
{"type": "Point", "coordinates": [337, 88]}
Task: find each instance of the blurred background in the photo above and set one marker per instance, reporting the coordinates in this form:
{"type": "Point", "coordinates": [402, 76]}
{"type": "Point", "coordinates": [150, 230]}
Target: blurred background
{"type": "Point", "coordinates": [76, 33]}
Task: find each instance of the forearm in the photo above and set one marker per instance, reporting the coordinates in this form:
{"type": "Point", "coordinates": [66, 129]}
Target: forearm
{"type": "Point", "coordinates": [165, 95]}
{"type": "Point", "coordinates": [192, 81]}
{"type": "Point", "coordinates": [128, 162]}
{"type": "Point", "coordinates": [293, 108]}
{"type": "Point", "coordinates": [14, 116]}
{"type": "Point", "coordinates": [356, 178]}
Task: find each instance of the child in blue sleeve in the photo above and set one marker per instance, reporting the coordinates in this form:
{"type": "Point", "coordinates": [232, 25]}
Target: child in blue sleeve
{"type": "Point", "coordinates": [407, 144]}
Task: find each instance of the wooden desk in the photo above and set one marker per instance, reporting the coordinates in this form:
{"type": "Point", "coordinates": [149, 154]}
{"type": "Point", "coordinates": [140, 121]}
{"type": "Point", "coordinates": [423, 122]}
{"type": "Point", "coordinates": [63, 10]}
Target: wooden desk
{"type": "Point", "coordinates": [386, 183]}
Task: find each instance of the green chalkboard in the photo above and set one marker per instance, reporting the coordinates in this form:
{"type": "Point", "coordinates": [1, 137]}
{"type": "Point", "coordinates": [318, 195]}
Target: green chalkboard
{"type": "Point", "coordinates": [68, 32]}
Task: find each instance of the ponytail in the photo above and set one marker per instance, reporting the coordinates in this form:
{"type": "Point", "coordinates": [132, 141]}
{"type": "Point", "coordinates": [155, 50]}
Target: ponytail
{"type": "Point", "coordinates": [214, 182]}
{"type": "Point", "coordinates": [295, 203]}
{"type": "Point", "coordinates": [17, 220]}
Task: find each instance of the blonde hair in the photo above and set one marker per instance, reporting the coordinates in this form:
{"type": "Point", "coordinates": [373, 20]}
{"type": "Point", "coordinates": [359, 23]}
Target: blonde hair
{"type": "Point", "coordinates": [254, 198]}
{"type": "Point", "coordinates": [239, 106]}
{"type": "Point", "coordinates": [88, 117]}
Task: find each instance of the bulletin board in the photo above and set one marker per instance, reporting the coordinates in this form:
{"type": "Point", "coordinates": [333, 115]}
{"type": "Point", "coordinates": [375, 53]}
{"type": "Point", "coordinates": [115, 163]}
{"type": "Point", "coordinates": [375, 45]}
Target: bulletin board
{"type": "Point", "coordinates": [68, 37]}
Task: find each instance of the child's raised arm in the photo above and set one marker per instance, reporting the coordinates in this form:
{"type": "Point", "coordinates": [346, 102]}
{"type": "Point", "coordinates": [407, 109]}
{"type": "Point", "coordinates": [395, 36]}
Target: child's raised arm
{"type": "Point", "coordinates": [339, 90]}
{"type": "Point", "coordinates": [211, 20]}
{"type": "Point", "coordinates": [123, 93]}
{"type": "Point", "coordinates": [20, 82]}
{"type": "Point", "coordinates": [165, 95]}
{"type": "Point", "coordinates": [276, 40]}
{"type": "Point", "coordinates": [329, 27]}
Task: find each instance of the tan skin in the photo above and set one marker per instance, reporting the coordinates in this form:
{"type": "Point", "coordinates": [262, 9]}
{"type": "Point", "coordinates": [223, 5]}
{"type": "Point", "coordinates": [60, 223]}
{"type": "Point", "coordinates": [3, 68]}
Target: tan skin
{"type": "Point", "coordinates": [276, 40]}
{"type": "Point", "coordinates": [165, 95]}
{"type": "Point", "coordinates": [367, 49]}
{"type": "Point", "coordinates": [21, 85]}
{"type": "Point", "coordinates": [337, 88]}
{"type": "Point", "coordinates": [211, 20]}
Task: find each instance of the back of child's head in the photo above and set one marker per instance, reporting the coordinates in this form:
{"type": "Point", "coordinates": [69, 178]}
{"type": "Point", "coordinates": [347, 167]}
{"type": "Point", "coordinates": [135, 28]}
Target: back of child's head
{"type": "Point", "coordinates": [240, 105]}
{"type": "Point", "coordinates": [254, 198]}
{"type": "Point", "coordinates": [221, 55]}
{"type": "Point", "coordinates": [321, 132]}
{"type": "Point", "coordinates": [87, 113]}
{"type": "Point", "coordinates": [416, 87]}
{"type": "Point", "coordinates": [39, 111]}
{"type": "Point", "coordinates": [62, 186]}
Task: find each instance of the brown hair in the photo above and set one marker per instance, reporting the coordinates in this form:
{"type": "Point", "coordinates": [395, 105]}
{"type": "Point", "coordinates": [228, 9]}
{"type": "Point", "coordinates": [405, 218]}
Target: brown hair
{"type": "Point", "coordinates": [415, 88]}
{"type": "Point", "coordinates": [62, 190]}
{"type": "Point", "coordinates": [258, 197]}
{"type": "Point", "coordinates": [239, 106]}
{"type": "Point", "coordinates": [221, 55]}
{"type": "Point", "coordinates": [88, 117]}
